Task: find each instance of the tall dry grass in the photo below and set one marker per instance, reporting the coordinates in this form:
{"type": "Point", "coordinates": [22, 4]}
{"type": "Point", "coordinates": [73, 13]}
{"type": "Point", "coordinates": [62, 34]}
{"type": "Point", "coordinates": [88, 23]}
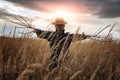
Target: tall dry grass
{"type": "Point", "coordinates": [18, 53]}
{"type": "Point", "coordinates": [25, 59]}
{"type": "Point", "coordinates": [28, 59]}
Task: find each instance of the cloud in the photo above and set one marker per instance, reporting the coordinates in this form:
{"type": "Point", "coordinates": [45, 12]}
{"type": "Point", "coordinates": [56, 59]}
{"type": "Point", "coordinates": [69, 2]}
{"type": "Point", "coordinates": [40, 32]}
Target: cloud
{"type": "Point", "coordinates": [35, 5]}
{"type": "Point", "coordinates": [100, 8]}
{"type": "Point", "coordinates": [105, 8]}
{"type": "Point", "coordinates": [4, 14]}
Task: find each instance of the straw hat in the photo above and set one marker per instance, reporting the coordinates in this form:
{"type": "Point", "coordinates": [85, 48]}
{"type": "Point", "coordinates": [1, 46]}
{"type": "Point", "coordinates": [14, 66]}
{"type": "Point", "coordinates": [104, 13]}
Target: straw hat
{"type": "Point", "coordinates": [59, 20]}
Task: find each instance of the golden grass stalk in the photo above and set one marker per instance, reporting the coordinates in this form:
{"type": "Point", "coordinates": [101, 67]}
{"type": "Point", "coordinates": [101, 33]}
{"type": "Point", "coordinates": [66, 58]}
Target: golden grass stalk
{"type": "Point", "coordinates": [110, 30]}
{"type": "Point", "coordinates": [76, 75]}
{"type": "Point", "coordinates": [94, 73]}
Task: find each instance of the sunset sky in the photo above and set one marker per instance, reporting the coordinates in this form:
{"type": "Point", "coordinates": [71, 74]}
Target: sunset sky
{"type": "Point", "coordinates": [89, 15]}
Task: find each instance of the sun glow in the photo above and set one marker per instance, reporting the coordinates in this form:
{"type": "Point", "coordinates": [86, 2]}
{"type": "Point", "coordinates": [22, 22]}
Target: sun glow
{"type": "Point", "coordinates": [63, 13]}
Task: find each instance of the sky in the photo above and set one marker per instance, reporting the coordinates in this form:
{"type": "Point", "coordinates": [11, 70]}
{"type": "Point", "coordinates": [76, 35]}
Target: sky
{"type": "Point", "coordinates": [89, 15]}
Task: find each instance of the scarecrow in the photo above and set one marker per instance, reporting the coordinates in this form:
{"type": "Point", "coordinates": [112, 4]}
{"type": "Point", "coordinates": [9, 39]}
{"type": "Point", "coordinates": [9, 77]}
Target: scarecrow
{"type": "Point", "coordinates": [59, 40]}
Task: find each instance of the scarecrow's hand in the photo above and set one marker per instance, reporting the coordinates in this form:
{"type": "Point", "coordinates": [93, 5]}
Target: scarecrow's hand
{"type": "Point", "coordinates": [36, 30]}
{"type": "Point", "coordinates": [85, 36]}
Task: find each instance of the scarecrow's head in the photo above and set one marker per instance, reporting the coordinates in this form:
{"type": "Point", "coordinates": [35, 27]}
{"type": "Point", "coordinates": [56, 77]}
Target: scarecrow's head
{"type": "Point", "coordinates": [59, 23]}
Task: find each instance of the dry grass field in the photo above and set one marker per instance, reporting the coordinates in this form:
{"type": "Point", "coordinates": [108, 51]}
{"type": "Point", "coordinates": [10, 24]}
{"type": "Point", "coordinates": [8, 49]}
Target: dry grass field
{"type": "Point", "coordinates": [28, 59]}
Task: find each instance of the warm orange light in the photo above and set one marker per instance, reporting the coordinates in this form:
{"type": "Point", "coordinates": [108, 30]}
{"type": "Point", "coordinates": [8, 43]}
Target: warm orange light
{"type": "Point", "coordinates": [63, 13]}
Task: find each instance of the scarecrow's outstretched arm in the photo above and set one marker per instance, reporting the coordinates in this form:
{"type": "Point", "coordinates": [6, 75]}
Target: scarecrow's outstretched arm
{"type": "Point", "coordinates": [43, 34]}
{"type": "Point", "coordinates": [80, 36]}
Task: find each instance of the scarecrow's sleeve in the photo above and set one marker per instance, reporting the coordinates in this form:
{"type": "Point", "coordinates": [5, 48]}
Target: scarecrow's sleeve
{"type": "Point", "coordinates": [80, 36]}
{"type": "Point", "coordinates": [43, 34]}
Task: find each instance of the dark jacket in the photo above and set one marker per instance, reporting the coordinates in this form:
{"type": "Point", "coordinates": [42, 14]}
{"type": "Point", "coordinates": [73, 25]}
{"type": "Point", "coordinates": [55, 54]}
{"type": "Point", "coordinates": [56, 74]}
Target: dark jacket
{"type": "Point", "coordinates": [59, 39]}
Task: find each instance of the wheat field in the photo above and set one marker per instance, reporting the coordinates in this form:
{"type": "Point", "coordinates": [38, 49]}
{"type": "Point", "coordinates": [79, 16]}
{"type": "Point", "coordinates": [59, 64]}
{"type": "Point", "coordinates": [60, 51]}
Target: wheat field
{"type": "Point", "coordinates": [28, 59]}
